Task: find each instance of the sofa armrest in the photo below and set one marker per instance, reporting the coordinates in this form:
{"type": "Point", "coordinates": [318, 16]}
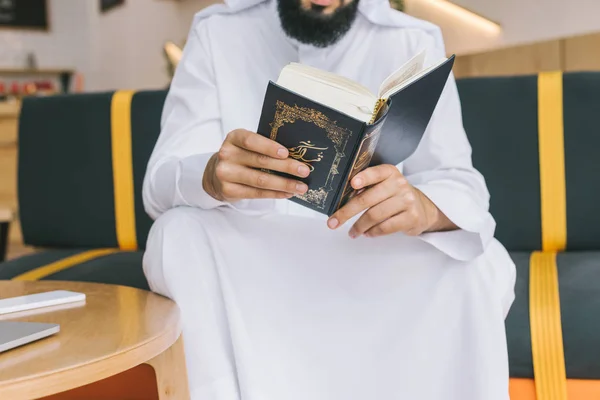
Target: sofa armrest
{"type": "Point", "coordinates": [6, 217]}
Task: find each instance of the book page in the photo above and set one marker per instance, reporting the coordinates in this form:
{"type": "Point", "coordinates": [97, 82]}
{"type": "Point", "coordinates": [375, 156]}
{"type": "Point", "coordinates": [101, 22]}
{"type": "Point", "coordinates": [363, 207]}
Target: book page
{"type": "Point", "coordinates": [329, 90]}
{"type": "Point", "coordinates": [411, 68]}
{"type": "Point", "coordinates": [395, 89]}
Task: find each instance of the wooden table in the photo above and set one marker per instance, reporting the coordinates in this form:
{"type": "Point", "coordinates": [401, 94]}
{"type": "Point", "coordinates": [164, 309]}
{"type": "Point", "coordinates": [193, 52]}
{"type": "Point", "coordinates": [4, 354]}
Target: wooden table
{"type": "Point", "coordinates": [123, 343]}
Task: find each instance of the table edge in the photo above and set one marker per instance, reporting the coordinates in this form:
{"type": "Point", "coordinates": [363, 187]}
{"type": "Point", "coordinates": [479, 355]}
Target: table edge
{"type": "Point", "coordinates": [94, 371]}
{"type": "Point", "coordinates": [53, 382]}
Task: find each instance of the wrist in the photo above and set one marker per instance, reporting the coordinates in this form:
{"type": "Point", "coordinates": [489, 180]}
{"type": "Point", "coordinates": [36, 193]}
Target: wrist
{"type": "Point", "coordinates": [436, 219]}
{"type": "Point", "coordinates": [432, 214]}
{"type": "Point", "coordinates": [208, 179]}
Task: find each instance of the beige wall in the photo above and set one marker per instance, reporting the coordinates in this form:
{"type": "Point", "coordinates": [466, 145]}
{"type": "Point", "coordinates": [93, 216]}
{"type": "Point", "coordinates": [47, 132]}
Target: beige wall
{"type": "Point", "coordinates": [187, 9]}
{"type": "Point", "coordinates": [527, 21]}
{"type": "Point", "coordinates": [522, 21]}
{"type": "Point", "coordinates": [123, 48]}
{"type": "Point", "coordinates": [60, 47]}
{"type": "Point", "coordinates": [126, 45]}
{"type": "Point", "coordinates": [118, 49]}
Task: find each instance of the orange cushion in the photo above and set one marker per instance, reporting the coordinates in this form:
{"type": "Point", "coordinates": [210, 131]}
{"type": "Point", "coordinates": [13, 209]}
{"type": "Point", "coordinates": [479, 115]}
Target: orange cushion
{"type": "Point", "coordinates": [577, 389]}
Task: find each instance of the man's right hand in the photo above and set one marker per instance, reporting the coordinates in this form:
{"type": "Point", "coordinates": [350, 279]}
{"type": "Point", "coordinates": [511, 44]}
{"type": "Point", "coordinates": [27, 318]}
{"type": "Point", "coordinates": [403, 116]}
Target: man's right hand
{"type": "Point", "coordinates": [234, 173]}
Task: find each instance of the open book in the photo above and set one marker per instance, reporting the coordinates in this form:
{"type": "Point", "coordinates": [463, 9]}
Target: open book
{"type": "Point", "coordinates": [338, 127]}
{"type": "Point", "coordinates": [345, 95]}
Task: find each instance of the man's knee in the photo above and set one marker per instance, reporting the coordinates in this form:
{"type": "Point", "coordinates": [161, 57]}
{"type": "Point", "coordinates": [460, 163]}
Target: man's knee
{"type": "Point", "coordinates": [174, 241]}
{"type": "Point", "coordinates": [175, 220]}
{"type": "Point", "coordinates": [500, 271]}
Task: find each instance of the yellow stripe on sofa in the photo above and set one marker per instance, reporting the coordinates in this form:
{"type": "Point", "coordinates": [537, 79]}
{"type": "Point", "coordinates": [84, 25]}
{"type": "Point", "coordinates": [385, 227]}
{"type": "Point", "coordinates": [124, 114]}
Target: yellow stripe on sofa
{"type": "Point", "coordinates": [546, 329]}
{"type": "Point", "coordinates": [63, 264]}
{"type": "Point", "coordinates": [544, 298]}
{"type": "Point", "coordinates": [122, 162]}
{"type": "Point", "coordinates": [552, 161]}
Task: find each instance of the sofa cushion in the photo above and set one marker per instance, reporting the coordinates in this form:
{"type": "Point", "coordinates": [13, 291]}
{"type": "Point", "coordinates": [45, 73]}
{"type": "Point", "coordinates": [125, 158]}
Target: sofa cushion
{"type": "Point", "coordinates": [500, 116]}
{"type": "Point", "coordinates": [119, 268]}
{"type": "Point", "coordinates": [66, 170]}
{"type": "Point", "coordinates": [578, 274]}
{"type": "Point", "coordinates": [66, 182]}
{"type": "Point", "coordinates": [582, 166]}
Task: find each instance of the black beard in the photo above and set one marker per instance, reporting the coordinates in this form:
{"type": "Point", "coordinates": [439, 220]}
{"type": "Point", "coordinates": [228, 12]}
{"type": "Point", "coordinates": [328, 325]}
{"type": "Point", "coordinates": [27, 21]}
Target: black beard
{"type": "Point", "coordinates": [311, 26]}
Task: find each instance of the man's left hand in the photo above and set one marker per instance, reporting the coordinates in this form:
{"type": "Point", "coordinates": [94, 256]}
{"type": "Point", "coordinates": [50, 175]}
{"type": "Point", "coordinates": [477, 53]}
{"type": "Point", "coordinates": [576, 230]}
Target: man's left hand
{"type": "Point", "coordinates": [392, 204]}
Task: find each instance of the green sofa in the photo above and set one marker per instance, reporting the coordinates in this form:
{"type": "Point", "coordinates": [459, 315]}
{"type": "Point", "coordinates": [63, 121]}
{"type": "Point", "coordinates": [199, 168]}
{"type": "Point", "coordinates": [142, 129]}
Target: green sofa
{"type": "Point", "coordinates": [503, 119]}
{"type": "Point", "coordinates": [68, 197]}
{"type": "Point", "coordinates": [66, 184]}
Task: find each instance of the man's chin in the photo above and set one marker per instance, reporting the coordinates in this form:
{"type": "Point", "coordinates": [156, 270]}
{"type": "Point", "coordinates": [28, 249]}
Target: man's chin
{"type": "Point", "coordinates": [314, 26]}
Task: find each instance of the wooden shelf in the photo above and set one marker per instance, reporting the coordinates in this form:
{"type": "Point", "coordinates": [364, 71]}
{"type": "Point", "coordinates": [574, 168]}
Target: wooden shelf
{"type": "Point", "coordinates": [10, 109]}
{"type": "Point", "coordinates": [24, 71]}
{"type": "Point", "coordinates": [64, 76]}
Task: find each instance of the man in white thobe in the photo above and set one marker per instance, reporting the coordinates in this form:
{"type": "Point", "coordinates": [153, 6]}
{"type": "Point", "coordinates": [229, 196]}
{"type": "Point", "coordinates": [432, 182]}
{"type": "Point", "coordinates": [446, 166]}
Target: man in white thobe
{"type": "Point", "coordinates": [401, 294]}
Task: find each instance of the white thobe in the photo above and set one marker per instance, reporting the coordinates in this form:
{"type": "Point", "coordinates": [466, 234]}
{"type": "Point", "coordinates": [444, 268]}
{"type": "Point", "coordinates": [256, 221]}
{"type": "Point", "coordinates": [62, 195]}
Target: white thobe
{"type": "Point", "coordinates": [277, 306]}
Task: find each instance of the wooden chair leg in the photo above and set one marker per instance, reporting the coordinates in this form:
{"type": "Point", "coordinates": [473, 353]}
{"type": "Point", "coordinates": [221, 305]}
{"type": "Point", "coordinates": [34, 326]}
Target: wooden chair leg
{"type": "Point", "coordinates": [171, 373]}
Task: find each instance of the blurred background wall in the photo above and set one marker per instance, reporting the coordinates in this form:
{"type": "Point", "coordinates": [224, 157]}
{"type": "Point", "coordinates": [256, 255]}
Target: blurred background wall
{"type": "Point", "coordinates": [63, 45]}
{"type": "Point", "coordinates": [521, 21]}
{"type": "Point", "coordinates": [123, 48]}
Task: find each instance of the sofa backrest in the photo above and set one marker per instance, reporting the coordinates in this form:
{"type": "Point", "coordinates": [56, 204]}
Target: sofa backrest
{"type": "Point", "coordinates": [79, 185]}
{"type": "Point", "coordinates": [69, 193]}
{"type": "Point", "coordinates": [514, 126]}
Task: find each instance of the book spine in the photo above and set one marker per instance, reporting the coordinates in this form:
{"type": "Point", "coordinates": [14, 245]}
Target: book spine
{"type": "Point", "coordinates": [378, 107]}
{"type": "Point", "coordinates": [361, 161]}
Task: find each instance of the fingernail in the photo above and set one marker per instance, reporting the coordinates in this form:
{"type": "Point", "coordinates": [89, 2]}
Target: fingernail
{"type": "Point", "coordinates": [303, 170]}
{"type": "Point", "coordinates": [352, 233]}
{"type": "Point", "coordinates": [301, 187]}
{"type": "Point", "coordinates": [367, 234]}
{"type": "Point", "coordinates": [333, 223]}
{"type": "Point", "coordinates": [358, 182]}
{"type": "Point", "coordinates": [282, 153]}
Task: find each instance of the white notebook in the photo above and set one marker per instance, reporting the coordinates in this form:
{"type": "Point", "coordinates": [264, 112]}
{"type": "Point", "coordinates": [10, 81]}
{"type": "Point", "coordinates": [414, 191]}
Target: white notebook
{"type": "Point", "coordinates": [39, 300]}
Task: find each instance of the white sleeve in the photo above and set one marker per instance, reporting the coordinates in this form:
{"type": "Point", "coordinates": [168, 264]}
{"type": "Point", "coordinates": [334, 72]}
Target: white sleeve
{"type": "Point", "coordinates": [191, 132]}
{"type": "Point", "coordinates": [442, 169]}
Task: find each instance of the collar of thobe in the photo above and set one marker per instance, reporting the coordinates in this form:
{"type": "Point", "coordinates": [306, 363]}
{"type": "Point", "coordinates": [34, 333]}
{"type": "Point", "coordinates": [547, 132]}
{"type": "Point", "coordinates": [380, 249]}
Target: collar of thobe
{"type": "Point", "coordinates": [378, 12]}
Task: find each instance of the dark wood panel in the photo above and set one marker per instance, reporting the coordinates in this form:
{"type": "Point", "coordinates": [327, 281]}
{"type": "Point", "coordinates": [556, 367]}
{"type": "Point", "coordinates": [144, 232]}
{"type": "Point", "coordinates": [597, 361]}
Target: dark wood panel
{"type": "Point", "coordinates": [519, 60]}
{"type": "Point", "coordinates": [581, 53]}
